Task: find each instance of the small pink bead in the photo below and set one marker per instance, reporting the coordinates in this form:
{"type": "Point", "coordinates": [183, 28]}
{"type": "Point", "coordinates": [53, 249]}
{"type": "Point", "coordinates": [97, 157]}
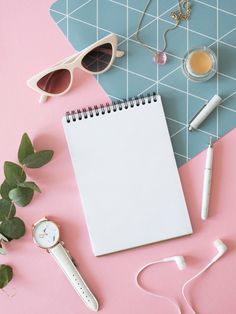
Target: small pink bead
{"type": "Point", "coordinates": [160, 57]}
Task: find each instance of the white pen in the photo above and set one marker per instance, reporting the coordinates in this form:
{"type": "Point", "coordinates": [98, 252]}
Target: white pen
{"type": "Point", "coordinates": [207, 181]}
{"type": "Point", "coordinates": [204, 112]}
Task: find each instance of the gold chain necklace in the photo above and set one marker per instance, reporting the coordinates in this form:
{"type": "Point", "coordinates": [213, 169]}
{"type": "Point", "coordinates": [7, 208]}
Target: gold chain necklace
{"type": "Point", "coordinates": [183, 13]}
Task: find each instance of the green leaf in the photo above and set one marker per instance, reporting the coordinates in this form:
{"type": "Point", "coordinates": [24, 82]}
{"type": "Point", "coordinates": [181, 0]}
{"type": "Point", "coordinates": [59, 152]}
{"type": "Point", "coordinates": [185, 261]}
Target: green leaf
{"type": "Point", "coordinates": [38, 159]}
{"type": "Point", "coordinates": [5, 189]}
{"type": "Point", "coordinates": [31, 185]}
{"type": "Point", "coordinates": [13, 228]}
{"type": "Point", "coordinates": [21, 196]}
{"type": "Point", "coordinates": [26, 148]}
{"type": "Point", "coordinates": [14, 173]}
{"type": "Point", "coordinates": [7, 209]}
{"type": "Point", "coordinates": [6, 275]}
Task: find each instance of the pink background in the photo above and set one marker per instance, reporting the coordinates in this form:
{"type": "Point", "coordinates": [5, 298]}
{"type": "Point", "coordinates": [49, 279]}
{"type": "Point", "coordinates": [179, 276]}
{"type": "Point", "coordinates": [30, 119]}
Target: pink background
{"type": "Point", "coordinates": [30, 41]}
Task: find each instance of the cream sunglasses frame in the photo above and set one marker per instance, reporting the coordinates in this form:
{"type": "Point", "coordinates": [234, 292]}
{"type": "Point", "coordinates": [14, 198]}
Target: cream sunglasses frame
{"type": "Point", "coordinates": [75, 61]}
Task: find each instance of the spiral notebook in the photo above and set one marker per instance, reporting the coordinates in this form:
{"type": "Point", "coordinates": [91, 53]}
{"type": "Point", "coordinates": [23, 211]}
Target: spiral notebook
{"type": "Point", "coordinates": [126, 173]}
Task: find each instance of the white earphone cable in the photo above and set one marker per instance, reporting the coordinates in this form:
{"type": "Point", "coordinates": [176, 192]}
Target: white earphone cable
{"type": "Point", "coordinates": [190, 280]}
{"type": "Point", "coordinates": [171, 301]}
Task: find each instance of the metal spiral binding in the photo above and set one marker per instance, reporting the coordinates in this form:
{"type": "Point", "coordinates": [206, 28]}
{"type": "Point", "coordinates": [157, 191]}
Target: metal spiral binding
{"type": "Point", "coordinates": [90, 112]}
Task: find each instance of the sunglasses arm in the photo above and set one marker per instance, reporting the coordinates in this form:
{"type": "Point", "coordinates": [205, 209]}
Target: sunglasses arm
{"type": "Point", "coordinates": [42, 98]}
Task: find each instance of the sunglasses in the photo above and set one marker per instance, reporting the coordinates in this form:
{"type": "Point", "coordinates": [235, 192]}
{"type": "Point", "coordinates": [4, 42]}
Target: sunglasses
{"type": "Point", "coordinates": [95, 59]}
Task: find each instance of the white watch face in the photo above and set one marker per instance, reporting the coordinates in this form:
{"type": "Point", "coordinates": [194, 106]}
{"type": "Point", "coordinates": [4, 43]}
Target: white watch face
{"type": "Point", "coordinates": [46, 234]}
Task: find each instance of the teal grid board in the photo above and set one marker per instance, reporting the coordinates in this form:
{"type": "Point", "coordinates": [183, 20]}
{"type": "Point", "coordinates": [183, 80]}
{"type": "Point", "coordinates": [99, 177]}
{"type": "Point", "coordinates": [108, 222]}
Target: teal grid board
{"type": "Point", "coordinates": [212, 24]}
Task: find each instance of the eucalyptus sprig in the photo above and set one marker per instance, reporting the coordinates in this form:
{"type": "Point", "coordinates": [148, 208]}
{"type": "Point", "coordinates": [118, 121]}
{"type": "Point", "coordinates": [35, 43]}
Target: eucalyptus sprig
{"type": "Point", "coordinates": [17, 191]}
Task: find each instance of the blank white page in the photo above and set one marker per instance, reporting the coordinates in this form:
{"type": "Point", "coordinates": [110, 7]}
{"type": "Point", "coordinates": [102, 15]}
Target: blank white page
{"type": "Point", "coordinates": [127, 177]}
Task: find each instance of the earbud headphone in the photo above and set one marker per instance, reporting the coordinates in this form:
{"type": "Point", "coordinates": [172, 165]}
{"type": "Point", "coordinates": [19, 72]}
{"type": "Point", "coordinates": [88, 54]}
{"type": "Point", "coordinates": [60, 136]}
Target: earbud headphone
{"type": "Point", "coordinates": [221, 249]}
{"type": "Point", "coordinates": [180, 262]}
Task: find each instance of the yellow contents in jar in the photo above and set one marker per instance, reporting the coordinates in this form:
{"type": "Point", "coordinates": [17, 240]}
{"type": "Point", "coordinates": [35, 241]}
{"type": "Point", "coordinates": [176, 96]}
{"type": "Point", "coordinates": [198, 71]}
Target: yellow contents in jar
{"type": "Point", "coordinates": [200, 62]}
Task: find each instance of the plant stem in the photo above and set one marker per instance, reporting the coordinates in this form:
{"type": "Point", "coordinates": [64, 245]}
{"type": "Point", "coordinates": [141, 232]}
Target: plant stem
{"type": "Point", "coordinates": [9, 214]}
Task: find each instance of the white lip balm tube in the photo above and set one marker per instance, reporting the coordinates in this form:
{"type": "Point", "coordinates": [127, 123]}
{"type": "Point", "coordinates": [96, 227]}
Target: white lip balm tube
{"type": "Point", "coordinates": [204, 112]}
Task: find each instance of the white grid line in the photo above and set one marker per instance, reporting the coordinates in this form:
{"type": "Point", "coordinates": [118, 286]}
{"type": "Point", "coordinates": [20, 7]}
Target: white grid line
{"type": "Point", "coordinates": [97, 18]}
{"type": "Point", "coordinates": [211, 6]}
{"type": "Point", "coordinates": [227, 44]}
{"type": "Point", "coordinates": [79, 7]}
{"type": "Point", "coordinates": [140, 11]}
{"type": "Point", "coordinates": [58, 12]}
{"type": "Point", "coordinates": [222, 37]}
{"type": "Point", "coordinates": [185, 28]}
{"type": "Point", "coordinates": [183, 92]}
{"type": "Point", "coordinates": [171, 119]}
{"type": "Point", "coordinates": [145, 77]}
{"type": "Point", "coordinates": [207, 133]}
{"type": "Point", "coordinates": [111, 96]}
{"type": "Point", "coordinates": [129, 71]}
{"type": "Point", "coordinates": [61, 19]}
{"type": "Point", "coordinates": [67, 22]}
{"type": "Point", "coordinates": [227, 108]}
{"type": "Point", "coordinates": [226, 34]}
{"type": "Point", "coordinates": [182, 156]}
{"type": "Point", "coordinates": [228, 76]}
{"type": "Point", "coordinates": [186, 125]}
{"type": "Point", "coordinates": [226, 98]}
{"type": "Point", "coordinates": [158, 81]}
{"type": "Point", "coordinates": [146, 89]}
{"type": "Point", "coordinates": [172, 135]}
{"type": "Point", "coordinates": [169, 73]}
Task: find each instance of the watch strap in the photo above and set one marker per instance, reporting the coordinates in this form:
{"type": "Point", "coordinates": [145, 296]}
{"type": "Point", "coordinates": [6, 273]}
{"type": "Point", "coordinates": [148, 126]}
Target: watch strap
{"type": "Point", "coordinates": [65, 262]}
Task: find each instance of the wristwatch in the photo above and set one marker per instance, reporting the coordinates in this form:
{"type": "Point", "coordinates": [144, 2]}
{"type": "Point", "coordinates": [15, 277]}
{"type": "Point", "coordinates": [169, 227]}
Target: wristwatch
{"type": "Point", "coordinates": [46, 235]}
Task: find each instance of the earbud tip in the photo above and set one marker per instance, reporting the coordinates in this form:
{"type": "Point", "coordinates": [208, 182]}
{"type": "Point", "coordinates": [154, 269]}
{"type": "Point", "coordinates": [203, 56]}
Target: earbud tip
{"type": "Point", "coordinates": [220, 244]}
{"type": "Point", "coordinates": [181, 263]}
{"type": "Point", "coordinates": [182, 266]}
{"type": "Point", "coordinates": [217, 241]}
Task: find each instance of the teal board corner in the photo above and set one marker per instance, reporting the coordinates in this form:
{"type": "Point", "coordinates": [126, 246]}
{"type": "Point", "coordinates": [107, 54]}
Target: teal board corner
{"type": "Point", "coordinates": [85, 21]}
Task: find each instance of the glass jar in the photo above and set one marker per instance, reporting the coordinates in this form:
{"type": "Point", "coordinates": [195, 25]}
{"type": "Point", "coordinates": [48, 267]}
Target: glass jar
{"type": "Point", "coordinates": [199, 64]}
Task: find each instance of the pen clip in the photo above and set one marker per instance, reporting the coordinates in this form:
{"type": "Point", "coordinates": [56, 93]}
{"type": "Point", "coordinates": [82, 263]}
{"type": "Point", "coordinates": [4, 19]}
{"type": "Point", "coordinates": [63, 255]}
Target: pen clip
{"type": "Point", "coordinates": [197, 113]}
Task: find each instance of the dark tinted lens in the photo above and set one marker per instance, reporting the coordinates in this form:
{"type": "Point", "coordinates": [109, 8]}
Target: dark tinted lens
{"type": "Point", "coordinates": [55, 82]}
{"type": "Point", "coordinates": [98, 59]}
